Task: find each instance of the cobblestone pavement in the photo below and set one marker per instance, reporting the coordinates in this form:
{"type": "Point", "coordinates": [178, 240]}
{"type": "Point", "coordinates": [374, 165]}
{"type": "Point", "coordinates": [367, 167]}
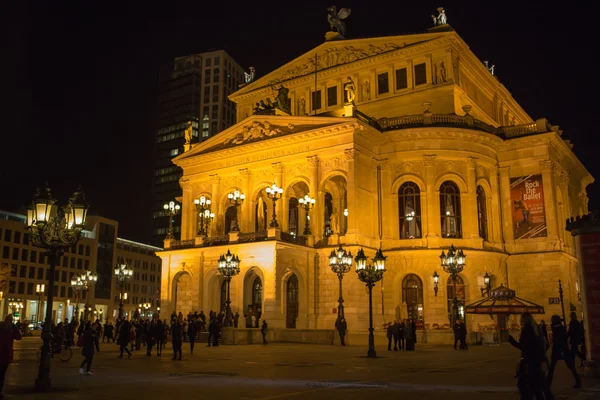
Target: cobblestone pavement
{"type": "Point", "coordinates": [285, 371]}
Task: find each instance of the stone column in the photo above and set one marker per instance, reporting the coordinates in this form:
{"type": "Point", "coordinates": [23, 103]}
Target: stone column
{"type": "Point", "coordinates": [386, 199]}
{"type": "Point", "coordinates": [352, 156]}
{"type": "Point", "coordinates": [495, 222]}
{"type": "Point", "coordinates": [431, 203]}
{"type": "Point", "coordinates": [469, 213]}
{"type": "Point", "coordinates": [216, 206]}
{"type": "Point", "coordinates": [245, 210]}
{"type": "Point", "coordinates": [188, 212]}
{"type": "Point", "coordinates": [547, 167]}
{"type": "Point", "coordinates": [508, 229]}
{"type": "Point", "coordinates": [313, 176]}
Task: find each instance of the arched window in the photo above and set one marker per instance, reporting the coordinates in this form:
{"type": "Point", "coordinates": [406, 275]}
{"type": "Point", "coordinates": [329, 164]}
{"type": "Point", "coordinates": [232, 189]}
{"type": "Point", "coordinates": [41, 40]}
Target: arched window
{"type": "Point", "coordinates": [482, 213]}
{"type": "Point", "coordinates": [450, 209]}
{"type": "Point", "coordinates": [409, 203]}
{"type": "Point", "coordinates": [260, 220]}
{"type": "Point", "coordinates": [460, 291]}
{"type": "Point", "coordinates": [257, 289]}
{"type": "Point", "coordinates": [293, 216]}
{"type": "Point", "coordinates": [230, 219]}
{"type": "Point", "coordinates": [328, 210]}
{"type": "Point", "coordinates": [412, 296]}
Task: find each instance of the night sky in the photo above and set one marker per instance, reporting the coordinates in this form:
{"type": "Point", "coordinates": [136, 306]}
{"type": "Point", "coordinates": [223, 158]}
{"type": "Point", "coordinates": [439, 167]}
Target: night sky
{"type": "Point", "coordinates": [80, 79]}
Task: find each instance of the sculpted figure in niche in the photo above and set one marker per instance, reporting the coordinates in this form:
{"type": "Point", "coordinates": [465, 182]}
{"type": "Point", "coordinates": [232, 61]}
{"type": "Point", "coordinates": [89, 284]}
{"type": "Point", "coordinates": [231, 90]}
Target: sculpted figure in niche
{"type": "Point", "coordinates": [260, 214]}
{"type": "Point", "coordinates": [302, 106]}
{"type": "Point", "coordinates": [334, 223]}
{"type": "Point", "coordinates": [350, 89]}
{"type": "Point", "coordinates": [440, 73]}
{"type": "Point", "coordinates": [366, 90]}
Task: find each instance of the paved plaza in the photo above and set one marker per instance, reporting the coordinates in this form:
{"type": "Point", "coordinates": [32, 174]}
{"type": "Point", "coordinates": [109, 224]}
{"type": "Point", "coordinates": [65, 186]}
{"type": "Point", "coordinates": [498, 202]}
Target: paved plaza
{"type": "Point", "coordinates": [285, 371]}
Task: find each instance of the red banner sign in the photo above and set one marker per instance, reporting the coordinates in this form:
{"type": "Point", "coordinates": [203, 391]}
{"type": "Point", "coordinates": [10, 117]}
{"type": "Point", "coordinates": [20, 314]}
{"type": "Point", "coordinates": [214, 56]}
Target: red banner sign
{"type": "Point", "coordinates": [527, 204]}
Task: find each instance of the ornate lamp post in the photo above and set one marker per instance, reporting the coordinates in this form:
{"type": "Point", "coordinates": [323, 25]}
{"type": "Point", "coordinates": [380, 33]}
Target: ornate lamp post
{"type": "Point", "coordinates": [78, 287]}
{"type": "Point", "coordinates": [340, 263]}
{"type": "Point", "coordinates": [487, 285]}
{"type": "Point", "coordinates": [274, 192]}
{"type": "Point", "coordinates": [123, 273]}
{"type": "Point", "coordinates": [203, 207]}
{"type": "Point", "coordinates": [172, 210]}
{"type": "Point", "coordinates": [370, 274]}
{"type": "Point", "coordinates": [88, 278]}
{"type": "Point", "coordinates": [308, 203]}
{"type": "Point", "coordinates": [39, 290]}
{"type": "Point", "coordinates": [453, 263]}
{"type": "Point", "coordinates": [54, 229]}
{"type": "Point", "coordinates": [229, 266]}
{"type": "Point", "coordinates": [236, 198]}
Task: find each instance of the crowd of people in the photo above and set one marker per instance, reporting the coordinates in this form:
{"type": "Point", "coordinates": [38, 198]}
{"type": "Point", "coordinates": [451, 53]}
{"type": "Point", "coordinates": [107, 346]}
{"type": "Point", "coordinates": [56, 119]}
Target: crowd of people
{"type": "Point", "coordinates": [565, 342]}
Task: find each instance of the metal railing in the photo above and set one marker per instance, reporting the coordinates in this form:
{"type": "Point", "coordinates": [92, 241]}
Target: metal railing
{"type": "Point", "coordinates": [289, 238]}
{"type": "Point", "coordinates": [252, 237]}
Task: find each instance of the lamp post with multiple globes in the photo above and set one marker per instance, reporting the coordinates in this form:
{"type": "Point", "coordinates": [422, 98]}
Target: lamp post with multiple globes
{"type": "Point", "coordinates": [370, 274]}
{"type": "Point", "coordinates": [205, 216]}
{"type": "Point", "coordinates": [88, 278]}
{"type": "Point", "coordinates": [236, 199]}
{"type": "Point", "coordinates": [274, 192]}
{"type": "Point", "coordinates": [453, 263]}
{"type": "Point", "coordinates": [78, 287]}
{"type": "Point", "coordinates": [172, 209]}
{"type": "Point", "coordinates": [228, 266]}
{"type": "Point", "coordinates": [54, 229]}
{"type": "Point", "coordinates": [123, 273]}
{"type": "Point", "coordinates": [340, 263]}
{"type": "Point", "coordinates": [307, 203]}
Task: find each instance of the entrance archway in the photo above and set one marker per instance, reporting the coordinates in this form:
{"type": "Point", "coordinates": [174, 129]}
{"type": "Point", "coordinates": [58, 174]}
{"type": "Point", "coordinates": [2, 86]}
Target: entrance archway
{"type": "Point", "coordinates": [291, 314]}
{"type": "Point", "coordinates": [182, 295]}
{"type": "Point", "coordinates": [412, 296]}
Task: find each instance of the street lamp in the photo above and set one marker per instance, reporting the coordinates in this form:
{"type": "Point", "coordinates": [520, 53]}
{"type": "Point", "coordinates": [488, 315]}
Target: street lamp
{"type": "Point", "coordinates": [487, 285]}
{"type": "Point", "coordinates": [229, 266]}
{"type": "Point", "coordinates": [15, 305]}
{"type": "Point", "coordinates": [236, 198]}
{"type": "Point", "coordinates": [307, 203]}
{"type": "Point", "coordinates": [274, 192]}
{"type": "Point", "coordinates": [436, 281]}
{"type": "Point", "coordinates": [453, 263]}
{"type": "Point", "coordinates": [123, 273]}
{"type": "Point", "coordinates": [88, 278]}
{"type": "Point", "coordinates": [340, 263]}
{"type": "Point", "coordinates": [78, 287]}
{"type": "Point", "coordinates": [54, 229]}
{"type": "Point", "coordinates": [172, 210]}
{"type": "Point", "coordinates": [39, 290]}
{"type": "Point", "coordinates": [370, 274]}
{"type": "Point", "coordinates": [203, 205]}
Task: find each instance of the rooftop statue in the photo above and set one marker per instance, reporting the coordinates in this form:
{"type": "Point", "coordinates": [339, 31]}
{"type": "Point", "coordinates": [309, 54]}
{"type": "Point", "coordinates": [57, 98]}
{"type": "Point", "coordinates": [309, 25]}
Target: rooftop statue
{"type": "Point", "coordinates": [249, 77]}
{"type": "Point", "coordinates": [335, 19]}
{"type": "Point", "coordinates": [441, 17]}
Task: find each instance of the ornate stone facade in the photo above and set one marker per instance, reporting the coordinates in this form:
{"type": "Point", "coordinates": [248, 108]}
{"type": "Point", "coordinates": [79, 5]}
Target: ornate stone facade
{"type": "Point", "coordinates": [455, 177]}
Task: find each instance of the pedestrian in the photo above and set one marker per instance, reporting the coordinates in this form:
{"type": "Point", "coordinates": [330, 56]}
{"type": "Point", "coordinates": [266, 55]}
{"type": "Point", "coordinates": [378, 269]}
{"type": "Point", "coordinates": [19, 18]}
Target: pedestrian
{"type": "Point", "coordinates": [177, 338]}
{"type": "Point", "coordinates": [530, 374]}
{"type": "Point", "coordinates": [390, 335]}
{"type": "Point", "coordinates": [560, 351]}
{"type": "Point", "coordinates": [249, 319]}
{"type": "Point", "coordinates": [211, 331]}
{"type": "Point", "coordinates": [192, 331]}
{"type": "Point", "coordinates": [8, 334]}
{"type": "Point", "coordinates": [98, 334]}
{"type": "Point", "coordinates": [236, 318]}
{"type": "Point", "coordinates": [150, 339]}
{"type": "Point", "coordinates": [132, 337]}
{"type": "Point", "coordinates": [87, 350]}
{"type": "Point", "coordinates": [463, 336]}
{"type": "Point", "coordinates": [401, 328]}
{"type": "Point", "coordinates": [341, 327]}
{"type": "Point", "coordinates": [217, 333]}
{"type": "Point", "coordinates": [202, 321]}
{"type": "Point", "coordinates": [575, 335]}
{"type": "Point", "coordinates": [396, 333]}
{"type": "Point", "coordinates": [124, 337]}
{"type": "Point", "coordinates": [457, 333]}
{"type": "Point", "coordinates": [410, 335]}
{"type": "Point", "coordinates": [264, 329]}
{"type": "Point", "coordinates": [159, 336]}
{"type": "Point", "coordinates": [108, 332]}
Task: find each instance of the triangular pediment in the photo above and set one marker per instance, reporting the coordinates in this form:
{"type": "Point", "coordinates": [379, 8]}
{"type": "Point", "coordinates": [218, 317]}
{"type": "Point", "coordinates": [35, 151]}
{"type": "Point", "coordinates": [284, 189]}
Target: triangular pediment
{"type": "Point", "coordinates": [336, 53]}
{"type": "Point", "coordinates": [258, 128]}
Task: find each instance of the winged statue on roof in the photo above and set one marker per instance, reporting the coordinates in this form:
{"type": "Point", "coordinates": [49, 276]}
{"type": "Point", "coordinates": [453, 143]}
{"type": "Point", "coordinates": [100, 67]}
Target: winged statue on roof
{"type": "Point", "coordinates": [335, 18]}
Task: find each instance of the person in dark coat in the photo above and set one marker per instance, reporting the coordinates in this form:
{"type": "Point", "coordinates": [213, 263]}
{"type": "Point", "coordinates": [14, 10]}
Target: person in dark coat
{"type": "Point", "coordinates": [531, 378]}
{"type": "Point", "coordinates": [390, 335]}
{"type": "Point", "coordinates": [211, 331]}
{"type": "Point", "coordinates": [98, 334]}
{"type": "Point", "coordinates": [177, 338]}
{"type": "Point", "coordinates": [8, 334]}
{"type": "Point", "coordinates": [457, 338]}
{"type": "Point", "coordinates": [401, 328]}
{"type": "Point", "coordinates": [202, 321]}
{"type": "Point", "coordinates": [236, 319]}
{"type": "Point", "coordinates": [342, 327]}
{"type": "Point", "coordinates": [124, 337]}
{"type": "Point", "coordinates": [396, 333]}
{"type": "Point", "coordinates": [87, 350]}
{"type": "Point", "coordinates": [560, 351]}
{"type": "Point", "coordinates": [575, 335]}
{"type": "Point", "coordinates": [216, 333]}
{"type": "Point", "coordinates": [192, 331]}
{"type": "Point", "coordinates": [159, 336]}
{"type": "Point", "coordinates": [410, 335]}
{"type": "Point", "coordinates": [264, 328]}
{"type": "Point", "coordinates": [150, 339]}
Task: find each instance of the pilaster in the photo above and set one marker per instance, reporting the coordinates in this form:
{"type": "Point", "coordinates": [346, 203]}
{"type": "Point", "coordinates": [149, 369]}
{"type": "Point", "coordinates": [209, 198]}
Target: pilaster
{"type": "Point", "coordinates": [281, 208]}
{"type": "Point", "coordinates": [471, 223]}
{"type": "Point", "coordinates": [317, 211]}
{"type": "Point", "coordinates": [187, 212]}
{"type": "Point", "coordinates": [546, 167]}
{"type": "Point", "coordinates": [352, 156]}
{"type": "Point", "coordinates": [216, 206]}
{"type": "Point", "coordinates": [507, 225]}
{"type": "Point", "coordinates": [245, 209]}
{"type": "Point", "coordinates": [495, 222]}
{"type": "Point", "coordinates": [431, 203]}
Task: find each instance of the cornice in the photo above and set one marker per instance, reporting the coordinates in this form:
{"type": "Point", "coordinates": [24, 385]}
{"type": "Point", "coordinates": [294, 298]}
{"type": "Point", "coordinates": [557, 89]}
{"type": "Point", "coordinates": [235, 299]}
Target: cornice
{"type": "Point", "coordinates": [428, 132]}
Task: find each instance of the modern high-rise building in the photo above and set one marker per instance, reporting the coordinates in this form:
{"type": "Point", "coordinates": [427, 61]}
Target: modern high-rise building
{"type": "Point", "coordinates": [192, 89]}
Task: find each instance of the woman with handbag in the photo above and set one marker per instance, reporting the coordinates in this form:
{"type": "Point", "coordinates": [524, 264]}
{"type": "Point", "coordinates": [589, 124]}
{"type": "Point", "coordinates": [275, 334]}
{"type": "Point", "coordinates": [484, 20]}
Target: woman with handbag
{"type": "Point", "coordinates": [560, 351]}
{"type": "Point", "coordinates": [530, 371]}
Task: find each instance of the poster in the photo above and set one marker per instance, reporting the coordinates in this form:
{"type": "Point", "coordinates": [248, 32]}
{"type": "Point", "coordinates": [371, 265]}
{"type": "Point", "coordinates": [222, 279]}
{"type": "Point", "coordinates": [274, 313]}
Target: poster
{"type": "Point", "coordinates": [527, 206]}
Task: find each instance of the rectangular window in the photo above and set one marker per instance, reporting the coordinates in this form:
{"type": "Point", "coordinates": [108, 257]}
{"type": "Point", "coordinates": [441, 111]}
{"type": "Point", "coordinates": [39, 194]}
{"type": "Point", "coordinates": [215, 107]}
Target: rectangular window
{"type": "Point", "coordinates": [216, 75]}
{"type": "Point", "coordinates": [30, 288]}
{"type": "Point", "coordinates": [62, 291]}
{"type": "Point", "coordinates": [79, 263]}
{"type": "Point", "coordinates": [6, 252]}
{"type": "Point", "coordinates": [87, 251]}
{"type": "Point", "coordinates": [21, 288]}
{"type": "Point", "coordinates": [26, 238]}
{"type": "Point", "coordinates": [70, 292]}
{"type": "Point", "coordinates": [215, 94]}
{"type": "Point", "coordinates": [86, 264]}
{"type": "Point", "coordinates": [316, 100]}
{"type": "Point", "coordinates": [65, 261]}
{"type": "Point", "coordinates": [40, 274]}
{"type": "Point", "coordinates": [15, 253]}
{"type": "Point", "coordinates": [12, 286]}
{"type": "Point", "coordinates": [31, 273]}
{"type": "Point", "coordinates": [80, 250]}
{"type": "Point", "coordinates": [331, 96]}
{"type": "Point", "coordinates": [7, 235]}
{"type": "Point", "coordinates": [22, 271]}
{"type": "Point", "coordinates": [40, 258]}
{"type": "Point", "coordinates": [207, 76]}
{"type": "Point", "coordinates": [24, 254]}
{"type": "Point", "coordinates": [208, 62]}
{"type": "Point", "coordinates": [55, 290]}
{"type": "Point", "coordinates": [383, 84]}
{"type": "Point", "coordinates": [420, 74]}
{"type": "Point", "coordinates": [72, 264]}
{"type": "Point", "coordinates": [401, 79]}
{"type": "Point", "coordinates": [33, 256]}
{"type": "Point", "coordinates": [63, 276]}
{"type": "Point", "coordinates": [13, 270]}
{"type": "Point", "coordinates": [17, 237]}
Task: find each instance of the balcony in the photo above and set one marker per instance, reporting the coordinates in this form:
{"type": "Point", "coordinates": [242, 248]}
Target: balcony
{"type": "Point", "coordinates": [237, 237]}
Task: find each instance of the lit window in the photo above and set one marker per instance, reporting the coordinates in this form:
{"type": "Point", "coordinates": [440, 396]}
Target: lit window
{"type": "Point", "coordinates": [174, 152]}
